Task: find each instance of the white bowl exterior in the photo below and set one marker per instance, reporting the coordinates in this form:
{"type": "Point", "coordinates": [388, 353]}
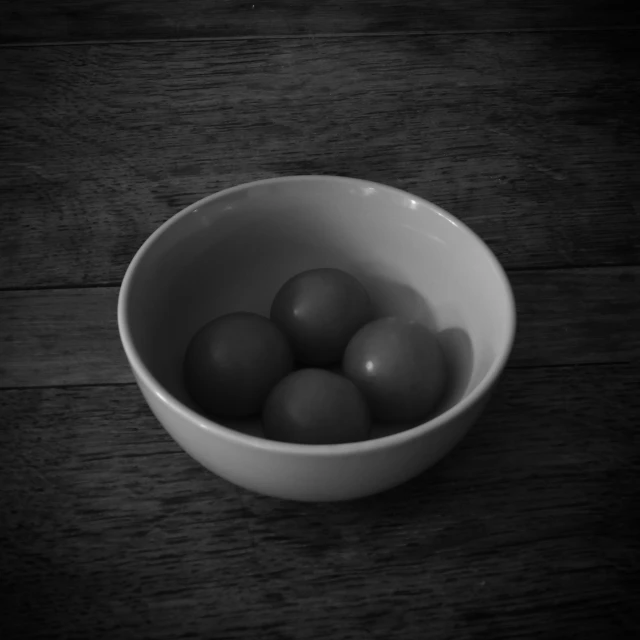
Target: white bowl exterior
{"type": "Point", "coordinates": [309, 477]}
{"type": "Point", "coordinates": [233, 251]}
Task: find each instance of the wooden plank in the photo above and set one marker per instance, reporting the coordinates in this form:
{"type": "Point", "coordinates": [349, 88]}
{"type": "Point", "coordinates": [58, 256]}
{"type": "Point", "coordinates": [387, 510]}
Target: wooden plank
{"type": "Point", "coordinates": [527, 530]}
{"type": "Point", "coordinates": [70, 20]}
{"type": "Point", "coordinates": [532, 139]}
{"type": "Point", "coordinates": [577, 316]}
{"type": "Point", "coordinates": [60, 337]}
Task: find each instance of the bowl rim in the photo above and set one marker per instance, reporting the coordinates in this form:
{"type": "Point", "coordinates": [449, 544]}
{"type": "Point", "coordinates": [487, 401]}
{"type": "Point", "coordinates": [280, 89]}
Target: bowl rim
{"type": "Point", "coordinates": [142, 373]}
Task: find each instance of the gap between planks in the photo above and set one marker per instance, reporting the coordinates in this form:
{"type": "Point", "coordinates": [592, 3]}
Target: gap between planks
{"type": "Point", "coordinates": [132, 383]}
{"type": "Point", "coordinates": [316, 36]}
{"type": "Point", "coordinates": [117, 284]}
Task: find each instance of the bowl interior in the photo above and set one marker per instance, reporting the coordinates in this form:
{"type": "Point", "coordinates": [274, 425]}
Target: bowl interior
{"type": "Point", "coordinates": [233, 251]}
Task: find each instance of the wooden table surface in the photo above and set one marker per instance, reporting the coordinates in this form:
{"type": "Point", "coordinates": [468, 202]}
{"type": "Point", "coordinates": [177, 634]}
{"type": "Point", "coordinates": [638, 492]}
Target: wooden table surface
{"type": "Point", "coordinates": [522, 119]}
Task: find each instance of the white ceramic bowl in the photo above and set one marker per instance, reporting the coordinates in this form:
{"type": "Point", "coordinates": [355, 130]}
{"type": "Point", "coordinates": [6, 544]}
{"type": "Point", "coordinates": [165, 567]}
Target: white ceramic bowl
{"type": "Point", "coordinates": [233, 250]}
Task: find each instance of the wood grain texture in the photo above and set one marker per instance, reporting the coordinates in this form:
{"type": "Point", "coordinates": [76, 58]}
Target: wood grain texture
{"type": "Point", "coordinates": [528, 530]}
{"type": "Point", "coordinates": [71, 20]}
{"type": "Point", "coordinates": [532, 139]}
{"type": "Point", "coordinates": [61, 337]}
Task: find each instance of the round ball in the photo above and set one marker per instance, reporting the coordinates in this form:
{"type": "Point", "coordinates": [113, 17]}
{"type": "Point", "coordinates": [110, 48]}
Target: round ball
{"type": "Point", "coordinates": [319, 311]}
{"type": "Point", "coordinates": [399, 367]}
{"type": "Point", "coordinates": [314, 406]}
{"type": "Point", "coordinates": [233, 362]}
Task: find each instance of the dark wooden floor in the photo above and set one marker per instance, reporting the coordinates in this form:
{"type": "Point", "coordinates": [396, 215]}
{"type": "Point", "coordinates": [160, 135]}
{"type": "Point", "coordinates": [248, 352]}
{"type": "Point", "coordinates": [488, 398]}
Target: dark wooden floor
{"type": "Point", "coordinates": [522, 119]}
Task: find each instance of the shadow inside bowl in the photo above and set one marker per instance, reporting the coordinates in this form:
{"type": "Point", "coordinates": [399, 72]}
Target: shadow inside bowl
{"type": "Point", "coordinates": [459, 362]}
{"type": "Point", "coordinates": [390, 297]}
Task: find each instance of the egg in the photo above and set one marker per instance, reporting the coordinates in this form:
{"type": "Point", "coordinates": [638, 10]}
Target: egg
{"type": "Point", "coordinates": [233, 362]}
{"type": "Point", "coordinates": [315, 406]}
{"type": "Point", "coordinates": [319, 311]}
{"type": "Point", "coordinates": [399, 367]}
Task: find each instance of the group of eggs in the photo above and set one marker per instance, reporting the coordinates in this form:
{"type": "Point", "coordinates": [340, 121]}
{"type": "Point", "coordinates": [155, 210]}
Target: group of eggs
{"type": "Point", "coordinates": [321, 369]}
